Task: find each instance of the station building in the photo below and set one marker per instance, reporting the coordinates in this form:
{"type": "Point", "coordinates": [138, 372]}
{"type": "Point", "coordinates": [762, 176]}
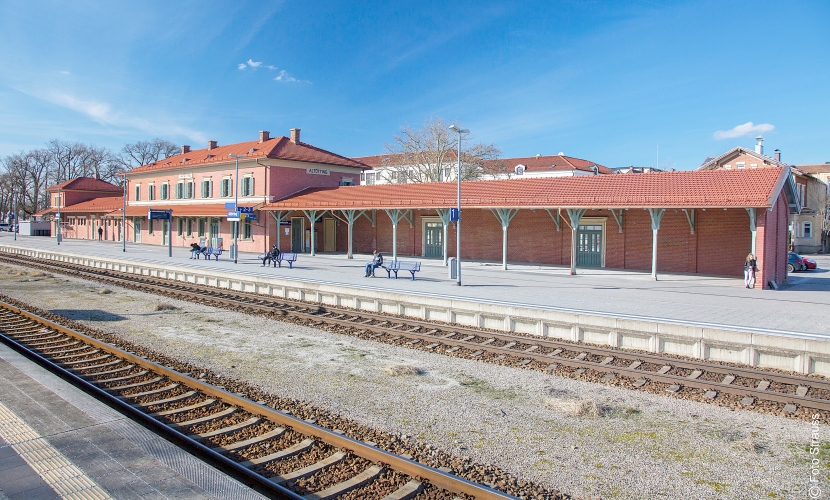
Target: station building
{"type": "Point", "coordinates": [306, 199]}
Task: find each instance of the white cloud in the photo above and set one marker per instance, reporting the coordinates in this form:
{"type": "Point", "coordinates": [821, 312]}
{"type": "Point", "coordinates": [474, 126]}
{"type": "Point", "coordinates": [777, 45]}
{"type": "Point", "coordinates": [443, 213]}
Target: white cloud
{"type": "Point", "coordinates": [284, 76]}
{"type": "Point", "coordinates": [104, 114]}
{"type": "Point", "coordinates": [65, 72]}
{"type": "Point", "coordinates": [747, 128]}
{"type": "Point", "coordinates": [271, 66]}
{"type": "Point", "coordinates": [242, 66]}
{"type": "Point", "coordinates": [254, 64]}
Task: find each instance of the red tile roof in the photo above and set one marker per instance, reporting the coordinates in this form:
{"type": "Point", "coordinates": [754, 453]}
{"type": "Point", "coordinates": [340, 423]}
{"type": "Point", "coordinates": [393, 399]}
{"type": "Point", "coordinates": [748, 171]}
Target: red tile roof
{"type": "Point", "coordinates": [695, 189]}
{"type": "Point", "coordinates": [96, 205]}
{"type": "Point", "coordinates": [86, 184]}
{"type": "Point", "coordinates": [277, 148]}
{"type": "Point", "coordinates": [533, 163]}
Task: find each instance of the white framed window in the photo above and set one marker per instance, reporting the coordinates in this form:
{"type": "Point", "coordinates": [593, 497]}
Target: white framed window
{"type": "Point", "coordinates": [225, 187]}
{"type": "Point", "coordinates": [740, 165]}
{"type": "Point", "coordinates": [58, 199]}
{"type": "Point", "coordinates": [179, 190]}
{"type": "Point", "coordinates": [806, 229]}
{"type": "Point", "coordinates": [370, 177]}
{"type": "Point", "coordinates": [165, 191]}
{"type": "Point", "coordinates": [247, 231]}
{"type": "Point", "coordinates": [137, 192]}
{"type": "Point", "coordinates": [362, 176]}
{"type": "Point", "coordinates": [207, 188]}
{"type": "Point", "coordinates": [247, 186]}
{"type": "Point", "coordinates": [151, 192]}
{"type": "Point", "coordinates": [347, 181]}
{"type": "Point", "coordinates": [727, 166]}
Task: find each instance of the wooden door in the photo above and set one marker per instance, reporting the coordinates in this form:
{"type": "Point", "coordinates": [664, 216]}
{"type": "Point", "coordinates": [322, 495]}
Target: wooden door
{"type": "Point", "coordinates": [329, 228]}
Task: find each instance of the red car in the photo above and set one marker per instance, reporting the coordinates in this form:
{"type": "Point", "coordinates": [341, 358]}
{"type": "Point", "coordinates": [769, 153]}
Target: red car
{"type": "Point", "coordinates": [809, 263]}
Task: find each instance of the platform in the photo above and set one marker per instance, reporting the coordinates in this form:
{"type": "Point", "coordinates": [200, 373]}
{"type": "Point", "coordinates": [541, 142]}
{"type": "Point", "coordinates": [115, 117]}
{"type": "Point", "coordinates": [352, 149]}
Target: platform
{"type": "Point", "coordinates": [707, 317]}
{"type": "Point", "coordinates": [58, 442]}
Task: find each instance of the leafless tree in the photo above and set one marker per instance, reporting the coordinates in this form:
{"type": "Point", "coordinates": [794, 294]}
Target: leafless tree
{"type": "Point", "coordinates": [144, 152]}
{"type": "Point", "coordinates": [428, 154]}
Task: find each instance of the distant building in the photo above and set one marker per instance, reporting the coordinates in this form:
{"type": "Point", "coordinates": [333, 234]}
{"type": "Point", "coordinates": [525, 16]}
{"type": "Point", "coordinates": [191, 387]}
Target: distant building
{"type": "Point", "coordinates": [390, 169]}
{"type": "Point", "coordinates": [821, 226]}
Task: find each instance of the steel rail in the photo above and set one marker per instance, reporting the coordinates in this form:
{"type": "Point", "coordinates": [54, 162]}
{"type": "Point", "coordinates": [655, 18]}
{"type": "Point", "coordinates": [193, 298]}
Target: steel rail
{"type": "Point", "coordinates": [435, 477]}
{"type": "Point", "coordinates": [270, 305]}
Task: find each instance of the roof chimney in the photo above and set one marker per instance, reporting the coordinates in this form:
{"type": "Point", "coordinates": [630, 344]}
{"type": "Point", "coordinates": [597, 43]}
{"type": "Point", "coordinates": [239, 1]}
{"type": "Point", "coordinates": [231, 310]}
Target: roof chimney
{"type": "Point", "coordinates": [264, 135]}
{"type": "Point", "coordinates": [777, 155]}
{"type": "Point", "coordinates": [759, 148]}
{"type": "Point", "coordinates": [295, 135]}
{"type": "Point", "coordinates": [211, 145]}
{"type": "Point", "coordinates": [185, 149]}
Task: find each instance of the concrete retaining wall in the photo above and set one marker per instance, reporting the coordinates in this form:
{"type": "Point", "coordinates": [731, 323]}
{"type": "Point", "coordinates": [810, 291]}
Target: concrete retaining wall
{"type": "Point", "coordinates": [803, 353]}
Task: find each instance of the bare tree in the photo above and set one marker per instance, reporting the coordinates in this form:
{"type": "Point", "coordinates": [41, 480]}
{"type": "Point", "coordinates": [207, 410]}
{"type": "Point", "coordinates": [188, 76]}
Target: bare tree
{"type": "Point", "coordinates": [428, 154]}
{"type": "Point", "coordinates": [144, 152]}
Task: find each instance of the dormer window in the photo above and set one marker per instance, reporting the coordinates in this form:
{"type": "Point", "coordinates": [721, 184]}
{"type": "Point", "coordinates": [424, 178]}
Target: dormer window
{"type": "Point", "coordinates": [519, 169]}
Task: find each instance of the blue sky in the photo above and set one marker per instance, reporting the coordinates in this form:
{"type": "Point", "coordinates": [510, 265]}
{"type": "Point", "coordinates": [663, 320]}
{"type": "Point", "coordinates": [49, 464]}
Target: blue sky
{"type": "Point", "coordinates": [604, 81]}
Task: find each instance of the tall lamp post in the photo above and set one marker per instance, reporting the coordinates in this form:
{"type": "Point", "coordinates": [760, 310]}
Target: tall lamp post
{"type": "Point", "coordinates": [124, 218]}
{"type": "Point", "coordinates": [458, 222]}
{"type": "Point", "coordinates": [58, 229]}
{"type": "Point", "coordinates": [236, 209]}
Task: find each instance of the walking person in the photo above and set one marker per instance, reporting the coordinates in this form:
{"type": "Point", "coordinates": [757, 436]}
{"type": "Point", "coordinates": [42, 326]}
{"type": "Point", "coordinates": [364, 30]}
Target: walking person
{"type": "Point", "coordinates": [377, 261]}
{"type": "Point", "coordinates": [100, 233]}
{"type": "Point", "coordinates": [749, 271]}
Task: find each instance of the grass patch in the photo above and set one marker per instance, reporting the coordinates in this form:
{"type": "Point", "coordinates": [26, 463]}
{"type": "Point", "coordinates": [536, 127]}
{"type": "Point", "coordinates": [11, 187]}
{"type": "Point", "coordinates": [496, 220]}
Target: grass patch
{"type": "Point", "coordinates": [482, 387]}
{"type": "Point", "coordinates": [399, 370]}
{"type": "Point", "coordinates": [166, 306]}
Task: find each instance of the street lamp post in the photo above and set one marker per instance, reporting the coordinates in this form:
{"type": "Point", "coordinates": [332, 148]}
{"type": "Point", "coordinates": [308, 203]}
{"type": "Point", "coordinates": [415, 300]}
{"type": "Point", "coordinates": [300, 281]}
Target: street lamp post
{"type": "Point", "coordinates": [458, 222]}
{"type": "Point", "coordinates": [236, 209]}
{"type": "Point", "coordinates": [58, 229]}
{"type": "Point", "coordinates": [124, 218]}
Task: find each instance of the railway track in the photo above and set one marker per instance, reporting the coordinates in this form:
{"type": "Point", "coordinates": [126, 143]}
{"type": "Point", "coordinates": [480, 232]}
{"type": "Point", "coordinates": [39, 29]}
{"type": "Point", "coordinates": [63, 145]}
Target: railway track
{"type": "Point", "coordinates": [281, 455]}
{"type": "Point", "coordinates": [742, 387]}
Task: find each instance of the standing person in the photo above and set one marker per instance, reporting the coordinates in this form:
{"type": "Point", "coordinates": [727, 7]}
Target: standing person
{"type": "Point", "coordinates": [749, 271]}
{"type": "Point", "coordinates": [100, 233]}
{"type": "Point", "coordinates": [377, 261]}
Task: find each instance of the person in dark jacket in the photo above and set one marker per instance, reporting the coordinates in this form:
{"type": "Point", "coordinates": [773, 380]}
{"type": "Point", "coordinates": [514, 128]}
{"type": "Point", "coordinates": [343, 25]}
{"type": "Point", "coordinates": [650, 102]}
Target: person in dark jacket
{"type": "Point", "coordinates": [195, 249]}
{"type": "Point", "coordinates": [377, 261]}
{"type": "Point", "coordinates": [750, 266]}
{"type": "Point", "coordinates": [272, 256]}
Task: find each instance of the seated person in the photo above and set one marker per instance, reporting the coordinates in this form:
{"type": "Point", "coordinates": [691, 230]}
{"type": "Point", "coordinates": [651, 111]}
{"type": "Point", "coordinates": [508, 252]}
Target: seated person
{"type": "Point", "coordinates": [271, 256]}
{"type": "Point", "coordinates": [195, 250]}
{"type": "Point", "coordinates": [377, 261]}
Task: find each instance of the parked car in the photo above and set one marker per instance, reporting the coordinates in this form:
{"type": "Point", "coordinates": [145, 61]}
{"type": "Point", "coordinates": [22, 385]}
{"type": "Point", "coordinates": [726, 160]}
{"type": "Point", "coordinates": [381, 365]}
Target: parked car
{"type": "Point", "coordinates": [809, 263]}
{"type": "Point", "coordinates": [795, 262]}
{"type": "Point", "coordinates": [5, 227]}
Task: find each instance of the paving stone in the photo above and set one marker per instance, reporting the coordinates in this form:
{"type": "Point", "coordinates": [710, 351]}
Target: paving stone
{"type": "Point", "coordinates": [710, 394]}
{"type": "Point", "coordinates": [673, 388]}
{"type": "Point", "coordinates": [639, 382]}
{"type": "Point", "coordinates": [763, 385]}
{"type": "Point", "coordinates": [728, 379]}
{"type": "Point", "coordinates": [748, 401]}
{"type": "Point", "coordinates": [801, 390]}
{"type": "Point", "coordinates": [790, 408]}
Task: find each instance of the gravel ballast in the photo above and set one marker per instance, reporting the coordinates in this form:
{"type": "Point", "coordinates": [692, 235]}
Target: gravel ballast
{"type": "Point", "coordinates": [581, 438]}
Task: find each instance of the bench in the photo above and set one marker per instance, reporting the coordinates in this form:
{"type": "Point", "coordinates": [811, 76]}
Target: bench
{"type": "Point", "coordinates": [215, 252]}
{"type": "Point", "coordinates": [402, 265]}
{"type": "Point", "coordinates": [289, 257]}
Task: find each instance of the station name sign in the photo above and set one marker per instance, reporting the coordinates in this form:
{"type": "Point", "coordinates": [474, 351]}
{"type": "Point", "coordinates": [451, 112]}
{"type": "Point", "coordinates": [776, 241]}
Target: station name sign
{"type": "Point", "coordinates": [318, 171]}
{"type": "Point", "coordinates": [186, 176]}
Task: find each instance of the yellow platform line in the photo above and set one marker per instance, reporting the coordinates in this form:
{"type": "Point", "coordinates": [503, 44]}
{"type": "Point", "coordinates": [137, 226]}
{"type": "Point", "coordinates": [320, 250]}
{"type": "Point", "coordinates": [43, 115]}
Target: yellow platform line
{"type": "Point", "coordinates": [57, 471]}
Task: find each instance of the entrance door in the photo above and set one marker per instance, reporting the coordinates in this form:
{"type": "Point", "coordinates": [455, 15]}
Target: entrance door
{"type": "Point", "coordinates": [165, 230]}
{"type": "Point", "coordinates": [137, 230]}
{"type": "Point", "coordinates": [330, 243]}
{"type": "Point", "coordinates": [297, 234]}
{"type": "Point", "coordinates": [433, 236]}
{"type": "Point", "coordinates": [214, 232]}
{"type": "Point", "coordinates": [589, 246]}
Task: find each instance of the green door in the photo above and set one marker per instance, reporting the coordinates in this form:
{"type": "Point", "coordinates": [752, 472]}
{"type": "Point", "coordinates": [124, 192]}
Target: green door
{"type": "Point", "coordinates": [434, 236]}
{"type": "Point", "coordinates": [214, 232]}
{"type": "Point", "coordinates": [165, 232]}
{"type": "Point", "coordinates": [297, 234]}
{"type": "Point", "coordinates": [589, 246]}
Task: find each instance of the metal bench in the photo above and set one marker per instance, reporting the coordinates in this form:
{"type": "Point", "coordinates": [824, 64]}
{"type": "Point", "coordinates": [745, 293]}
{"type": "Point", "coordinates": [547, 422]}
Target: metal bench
{"type": "Point", "coordinates": [402, 265]}
{"type": "Point", "coordinates": [215, 252]}
{"type": "Point", "coordinates": [289, 257]}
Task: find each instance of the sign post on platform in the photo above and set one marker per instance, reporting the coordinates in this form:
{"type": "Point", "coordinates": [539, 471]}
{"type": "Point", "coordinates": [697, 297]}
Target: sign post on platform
{"type": "Point", "coordinates": [163, 215]}
{"type": "Point", "coordinates": [236, 204]}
